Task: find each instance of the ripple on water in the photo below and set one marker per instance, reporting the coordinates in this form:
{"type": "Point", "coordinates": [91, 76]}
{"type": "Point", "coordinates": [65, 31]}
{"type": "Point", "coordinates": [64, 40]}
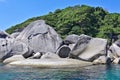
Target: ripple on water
{"type": "Point", "coordinates": [99, 72]}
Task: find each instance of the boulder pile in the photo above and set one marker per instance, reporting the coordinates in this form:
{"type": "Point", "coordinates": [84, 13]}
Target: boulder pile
{"type": "Point", "coordinates": [40, 41]}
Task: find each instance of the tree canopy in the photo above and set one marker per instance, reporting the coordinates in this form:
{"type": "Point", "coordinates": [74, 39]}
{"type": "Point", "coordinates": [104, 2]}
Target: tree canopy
{"type": "Point", "coordinates": [92, 21]}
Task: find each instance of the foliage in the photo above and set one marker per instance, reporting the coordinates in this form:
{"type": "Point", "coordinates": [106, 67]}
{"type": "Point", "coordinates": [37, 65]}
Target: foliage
{"type": "Point", "coordinates": [93, 21]}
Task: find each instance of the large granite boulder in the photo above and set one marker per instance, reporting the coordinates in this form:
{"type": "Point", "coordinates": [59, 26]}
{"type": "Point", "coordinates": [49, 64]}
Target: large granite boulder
{"type": "Point", "coordinates": [20, 48]}
{"type": "Point", "coordinates": [36, 37]}
{"type": "Point", "coordinates": [5, 47]}
{"type": "Point", "coordinates": [80, 46]}
{"type": "Point", "coordinates": [114, 52]}
{"type": "Point", "coordinates": [40, 37]}
{"type": "Point", "coordinates": [115, 49]}
{"type": "Point", "coordinates": [10, 47]}
{"type": "Point", "coordinates": [72, 38]}
{"type": "Point", "coordinates": [88, 48]}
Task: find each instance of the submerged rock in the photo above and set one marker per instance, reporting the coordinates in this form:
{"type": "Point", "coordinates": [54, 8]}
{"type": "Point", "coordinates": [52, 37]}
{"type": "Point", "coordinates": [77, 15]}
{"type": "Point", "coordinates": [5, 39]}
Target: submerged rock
{"type": "Point", "coordinates": [40, 37]}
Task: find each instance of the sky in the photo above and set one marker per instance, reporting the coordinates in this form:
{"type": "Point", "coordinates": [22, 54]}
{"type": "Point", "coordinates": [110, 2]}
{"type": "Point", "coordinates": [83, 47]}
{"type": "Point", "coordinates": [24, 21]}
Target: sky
{"type": "Point", "coordinates": [13, 12]}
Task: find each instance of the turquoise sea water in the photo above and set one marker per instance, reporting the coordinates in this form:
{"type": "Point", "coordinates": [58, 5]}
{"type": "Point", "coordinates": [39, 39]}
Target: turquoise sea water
{"type": "Point", "coordinates": [99, 72]}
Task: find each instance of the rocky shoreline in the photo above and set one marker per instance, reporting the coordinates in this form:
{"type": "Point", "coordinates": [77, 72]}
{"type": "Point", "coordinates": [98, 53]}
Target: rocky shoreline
{"type": "Point", "coordinates": [39, 45]}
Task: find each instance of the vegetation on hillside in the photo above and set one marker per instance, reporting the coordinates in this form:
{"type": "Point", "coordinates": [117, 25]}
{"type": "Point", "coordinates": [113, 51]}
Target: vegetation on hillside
{"type": "Point", "coordinates": [93, 21]}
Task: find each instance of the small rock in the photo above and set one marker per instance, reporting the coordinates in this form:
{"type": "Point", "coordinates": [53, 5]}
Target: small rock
{"type": "Point", "coordinates": [36, 56]}
{"type": "Point", "coordinates": [102, 60]}
{"type": "Point", "coordinates": [115, 50]}
{"type": "Point", "coordinates": [116, 61]}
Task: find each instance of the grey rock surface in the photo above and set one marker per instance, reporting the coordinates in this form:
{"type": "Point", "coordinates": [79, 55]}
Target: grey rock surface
{"type": "Point", "coordinates": [100, 60]}
{"type": "Point", "coordinates": [14, 35]}
{"type": "Point", "coordinates": [117, 43]}
{"type": "Point", "coordinates": [73, 38]}
{"type": "Point", "coordinates": [116, 61]}
{"type": "Point", "coordinates": [5, 47]}
{"type": "Point", "coordinates": [14, 58]}
{"type": "Point", "coordinates": [80, 46]}
{"type": "Point", "coordinates": [49, 55]}
{"type": "Point", "coordinates": [115, 49]}
{"type": "Point", "coordinates": [51, 63]}
{"type": "Point", "coordinates": [40, 37]}
{"type": "Point", "coordinates": [4, 34]}
{"type": "Point", "coordinates": [10, 47]}
{"type": "Point", "coordinates": [89, 49]}
{"type": "Point", "coordinates": [36, 55]}
{"type": "Point", "coordinates": [95, 49]}
{"type": "Point", "coordinates": [20, 48]}
{"type": "Point", "coordinates": [114, 52]}
{"type": "Point", "coordinates": [63, 51]}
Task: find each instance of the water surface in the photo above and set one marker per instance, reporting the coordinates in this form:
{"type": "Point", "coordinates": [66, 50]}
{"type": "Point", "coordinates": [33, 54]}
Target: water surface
{"type": "Point", "coordinates": [99, 72]}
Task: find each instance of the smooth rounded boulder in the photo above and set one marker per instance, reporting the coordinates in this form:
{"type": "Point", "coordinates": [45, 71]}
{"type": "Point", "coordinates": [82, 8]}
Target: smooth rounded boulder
{"type": "Point", "coordinates": [5, 48]}
{"type": "Point", "coordinates": [89, 49]}
{"type": "Point", "coordinates": [115, 49]}
{"type": "Point", "coordinates": [80, 46]}
{"type": "Point", "coordinates": [5, 44]}
{"type": "Point", "coordinates": [10, 47]}
{"type": "Point", "coordinates": [40, 37]}
{"type": "Point", "coordinates": [63, 51]}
